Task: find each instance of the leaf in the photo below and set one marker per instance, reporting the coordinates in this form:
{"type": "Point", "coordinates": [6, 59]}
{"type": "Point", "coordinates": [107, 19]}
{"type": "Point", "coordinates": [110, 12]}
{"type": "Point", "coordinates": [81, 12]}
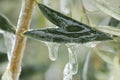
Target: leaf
{"type": "Point", "coordinates": [62, 21]}
{"type": "Point", "coordinates": [5, 25]}
{"type": "Point", "coordinates": [108, 9]}
{"type": "Point", "coordinates": [59, 36]}
{"type": "Point", "coordinates": [69, 31]}
{"type": "Point", "coordinates": [113, 22]}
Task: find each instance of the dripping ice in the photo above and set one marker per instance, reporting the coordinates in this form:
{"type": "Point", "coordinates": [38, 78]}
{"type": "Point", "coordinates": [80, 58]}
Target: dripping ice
{"type": "Point", "coordinates": [53, 50]}
{"type": "Point", "coordinates": [71, 68]}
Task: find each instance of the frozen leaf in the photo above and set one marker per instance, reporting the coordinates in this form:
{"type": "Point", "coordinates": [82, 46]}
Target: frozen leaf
{"type": "Point", "coordinates": [64, 22]}
{"type": "Point", "coordinates": [5, 25]}
{"type": "Point", "coordinates": [59, 36]}
{"type": "Point", "coordinates": [69, 31]}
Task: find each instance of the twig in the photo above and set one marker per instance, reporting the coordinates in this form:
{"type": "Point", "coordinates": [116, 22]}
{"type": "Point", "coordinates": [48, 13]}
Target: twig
{"type": "Point", "coordinates": [20, 41]}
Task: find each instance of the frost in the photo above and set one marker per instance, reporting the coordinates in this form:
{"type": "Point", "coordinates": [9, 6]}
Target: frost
{"type": "Point", "coordinates": [9, 42]}
{"type": "Point", "coordinates": [53, 50]}
{"type": "Point", "coordinates": [71, 67]}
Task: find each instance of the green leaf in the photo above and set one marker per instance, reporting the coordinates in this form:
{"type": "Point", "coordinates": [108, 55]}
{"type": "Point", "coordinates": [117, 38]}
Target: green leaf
{"type": "Point", "coordinates": [5, 25]}
{"type": "Point", "coordinates": [59, 36]}
{"type": "Point", "coordinates": [64, 22]}
{"type": "Point", "coordinates": [69, 31]}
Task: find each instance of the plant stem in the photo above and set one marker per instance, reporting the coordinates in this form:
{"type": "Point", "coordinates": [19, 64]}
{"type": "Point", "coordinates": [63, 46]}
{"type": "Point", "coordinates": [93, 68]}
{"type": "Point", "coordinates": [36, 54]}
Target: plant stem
{"type": "Point", "coordinates": [20, 40]}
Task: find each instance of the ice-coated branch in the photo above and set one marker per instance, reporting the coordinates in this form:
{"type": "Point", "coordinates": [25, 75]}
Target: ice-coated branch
{"type": "Point", "coordinates": [14, 66]}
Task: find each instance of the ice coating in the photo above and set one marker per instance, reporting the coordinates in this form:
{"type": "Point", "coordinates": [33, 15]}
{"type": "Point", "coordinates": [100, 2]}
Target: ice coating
{"type": "Point", "coordinates": [71, 67]}
{"type": "Point", "coordinates": [53, 50]}
{"type": "Point", "coordinates": [9, 42]}
{"type": "Point", "coordinates": [67, 72]}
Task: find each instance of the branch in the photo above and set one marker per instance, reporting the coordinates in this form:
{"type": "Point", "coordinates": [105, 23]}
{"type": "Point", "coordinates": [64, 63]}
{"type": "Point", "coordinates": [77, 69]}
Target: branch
{"type": "Point", "coordinates": [14, 66]}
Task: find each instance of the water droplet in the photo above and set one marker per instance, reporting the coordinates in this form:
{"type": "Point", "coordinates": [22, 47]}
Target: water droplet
{"type": "Point", "coordinates": [53, 50]}
{"type": "Point", "coordinates": [9, 42]}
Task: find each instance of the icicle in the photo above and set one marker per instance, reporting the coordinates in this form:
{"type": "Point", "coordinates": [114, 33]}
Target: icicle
{"type": "Point", "coordinates": [53, 50]}
{"type": "Point", "coordinates": [9, 40]}
{"type": "Point", "coordinates": [64, 7]}
{"type": "Point", "coordinates": [71, 67]}
{"type": "Point", "coordinates": [85, 68]}
{"type": "Point", "coordinates": [73, 58]}
{"type": "Point", "coordinates": [67, 72]}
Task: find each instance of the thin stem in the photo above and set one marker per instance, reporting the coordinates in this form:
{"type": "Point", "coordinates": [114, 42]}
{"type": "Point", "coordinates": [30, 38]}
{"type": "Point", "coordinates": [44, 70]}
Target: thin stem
{"type": "Point", "coordinates": [20, 41]}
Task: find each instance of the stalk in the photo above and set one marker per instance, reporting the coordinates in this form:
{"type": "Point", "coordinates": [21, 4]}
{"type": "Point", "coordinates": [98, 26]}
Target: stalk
{"type": "Point", "coordinates": [14, 66]}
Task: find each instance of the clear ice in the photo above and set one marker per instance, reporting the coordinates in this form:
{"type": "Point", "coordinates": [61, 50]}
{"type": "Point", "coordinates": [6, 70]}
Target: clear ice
{"type": "Point", "coordinates": [53, 50]}
{"type": "Point", "coordinates": [71, 67]}
{"type": "Point", "coordinates": [9, 42]}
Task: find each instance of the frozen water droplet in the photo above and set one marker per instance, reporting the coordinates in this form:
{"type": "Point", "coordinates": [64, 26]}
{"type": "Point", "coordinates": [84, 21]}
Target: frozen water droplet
{"type": "Point", "coordinates": [67, 72]}
{"type": "Point", "coordinates": [9, 42]}
{"type": "Point", "coordinates": [53, 50]}
{"type": "Point", "coordinates": [64, 6]}
{"type": "Point", "coordinates": [71, 67]}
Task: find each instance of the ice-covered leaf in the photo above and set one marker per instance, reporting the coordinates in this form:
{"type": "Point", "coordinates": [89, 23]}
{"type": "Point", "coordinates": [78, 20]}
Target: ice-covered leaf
{"type": "Point", "coordinates": [5, 25]}
{"type": "Point", "coordinates": [59, 36]}
{"type": "Point", "coordinates": [69, 31]}
{"type": "Point", "coordinates": [108, 9]}
{"type": "Point", "coordinates": [64, 22]}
